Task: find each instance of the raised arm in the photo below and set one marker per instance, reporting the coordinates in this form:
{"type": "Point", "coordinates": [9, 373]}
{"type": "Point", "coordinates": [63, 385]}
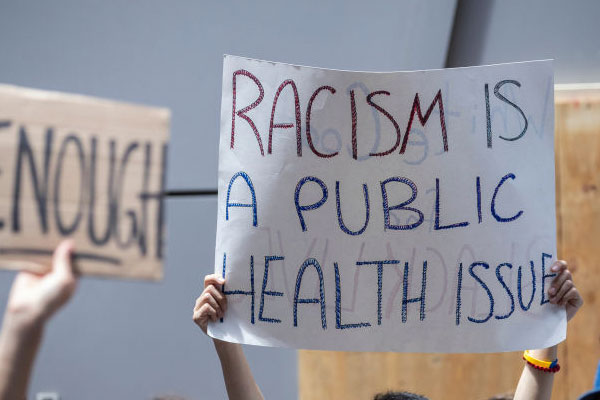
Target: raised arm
{"type": "Point", "coordinates": [210, 306]}
{"type": "Point", "coordinates": [32, 301]}
{"type": "Point", "coordinates": [536, 384]}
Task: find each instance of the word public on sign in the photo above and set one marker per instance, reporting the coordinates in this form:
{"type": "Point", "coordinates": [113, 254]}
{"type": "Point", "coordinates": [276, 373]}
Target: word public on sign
{"type": "Point", "coordinates": [400, 211]}
{"type": "Point", "coordinates": [84, 168]}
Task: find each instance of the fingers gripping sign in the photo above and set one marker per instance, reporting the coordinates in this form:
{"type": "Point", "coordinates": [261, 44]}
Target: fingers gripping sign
{"type": "Point", "coordinates": [536, 381]}
{"type": "Point", "coordinates": [563, 291]}
{"type": "Point", "coordinates": [34, 298]}
{"type": "Point", "coordinates": [211, 304]}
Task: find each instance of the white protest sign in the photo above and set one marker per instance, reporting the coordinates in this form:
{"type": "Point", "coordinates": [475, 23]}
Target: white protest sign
{"type": "Point", "coordinates": [403, 211]}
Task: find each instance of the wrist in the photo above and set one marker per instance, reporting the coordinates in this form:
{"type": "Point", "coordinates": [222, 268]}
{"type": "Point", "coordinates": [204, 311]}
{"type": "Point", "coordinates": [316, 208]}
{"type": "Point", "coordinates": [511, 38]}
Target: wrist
{"type": "Point", "coordinates": [225, 349]}
{"type": "Point", "coordinates": [23, 324]}
{"type": "Point", "coordinates": [543, 360]}
{"type": "Point", "coordinates": [549, 353]}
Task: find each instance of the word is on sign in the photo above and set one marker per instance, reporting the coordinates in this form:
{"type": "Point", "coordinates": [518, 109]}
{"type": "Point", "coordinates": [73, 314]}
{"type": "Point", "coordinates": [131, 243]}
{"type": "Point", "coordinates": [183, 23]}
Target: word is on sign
{"type": "Point", "coordinates": [403, 211]}
{"type": "Point", "coordinates": [85, 168]}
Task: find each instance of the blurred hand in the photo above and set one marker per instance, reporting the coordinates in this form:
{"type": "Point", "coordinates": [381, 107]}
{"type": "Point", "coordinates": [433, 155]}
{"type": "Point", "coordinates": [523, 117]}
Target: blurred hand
{"type": "Point", "coordinates": [562, 291]}
{"type": "Point", "coordinates": [211, 304]}
{"type": "Point", "coordinates": [34, 298]}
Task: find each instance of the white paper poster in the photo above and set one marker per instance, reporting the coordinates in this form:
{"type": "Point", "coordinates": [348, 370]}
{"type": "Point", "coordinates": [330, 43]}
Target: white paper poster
{"type": "Point", "coordinates": [400, 211]}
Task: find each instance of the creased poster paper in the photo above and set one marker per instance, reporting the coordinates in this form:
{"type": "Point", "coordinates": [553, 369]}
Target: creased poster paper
{"type": "Point", "coordinates": [401, 211]}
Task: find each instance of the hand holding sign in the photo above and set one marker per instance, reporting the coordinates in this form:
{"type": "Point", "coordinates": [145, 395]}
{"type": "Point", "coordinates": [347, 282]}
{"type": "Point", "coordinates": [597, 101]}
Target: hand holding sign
{"type": "Point", "coordinates": [563, 291]}
{"type": "Point", "coordinates": [211, 304]}
{"type": "Point", "coordinates": [35, 298]}
{"type": "Point", "coordinates": [533, 383]}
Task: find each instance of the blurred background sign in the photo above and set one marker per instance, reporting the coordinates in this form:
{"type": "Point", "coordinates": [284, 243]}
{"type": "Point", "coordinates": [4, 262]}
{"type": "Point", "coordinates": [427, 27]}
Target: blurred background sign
{"type": "Point", "coordinates": [84, 168]}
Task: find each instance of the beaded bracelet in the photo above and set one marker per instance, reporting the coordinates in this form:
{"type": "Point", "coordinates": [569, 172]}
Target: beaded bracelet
{"type": "Point", "coordinates": [546, 366]}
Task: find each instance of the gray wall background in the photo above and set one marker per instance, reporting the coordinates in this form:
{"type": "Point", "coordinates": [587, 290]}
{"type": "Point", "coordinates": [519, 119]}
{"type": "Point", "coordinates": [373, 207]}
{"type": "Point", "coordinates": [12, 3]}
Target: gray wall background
{"type": "Point", "coordinates": [490, 32]}
{"type": "Point", "coordinates": [133, 340]}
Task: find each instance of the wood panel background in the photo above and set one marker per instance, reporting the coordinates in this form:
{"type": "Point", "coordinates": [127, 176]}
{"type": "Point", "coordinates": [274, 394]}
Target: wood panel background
{"type": "Point", "coordinates": [346, 375]}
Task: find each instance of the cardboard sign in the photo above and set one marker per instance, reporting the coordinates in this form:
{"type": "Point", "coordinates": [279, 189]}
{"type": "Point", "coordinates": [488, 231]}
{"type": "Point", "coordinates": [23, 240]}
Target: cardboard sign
{"type": "Point", "coordinates": [405, 211]}
{"type": "Point", "coordinates": [85, 168]}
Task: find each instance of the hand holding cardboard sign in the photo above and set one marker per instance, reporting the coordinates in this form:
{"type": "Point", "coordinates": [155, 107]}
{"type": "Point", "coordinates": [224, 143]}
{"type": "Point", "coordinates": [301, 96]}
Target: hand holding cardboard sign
{"type": "Point", "coordinates": [32, 301]}
{"type": "Point", "coordinates": [35, 298]}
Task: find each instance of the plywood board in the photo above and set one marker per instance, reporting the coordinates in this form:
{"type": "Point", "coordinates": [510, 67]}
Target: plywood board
{"type": "Point", "coordinates": [578, 211]}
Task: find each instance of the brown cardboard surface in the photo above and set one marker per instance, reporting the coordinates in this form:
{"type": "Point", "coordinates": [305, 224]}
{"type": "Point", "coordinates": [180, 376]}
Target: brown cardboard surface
{"type": "Point", "coordinates": [84, 168]}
